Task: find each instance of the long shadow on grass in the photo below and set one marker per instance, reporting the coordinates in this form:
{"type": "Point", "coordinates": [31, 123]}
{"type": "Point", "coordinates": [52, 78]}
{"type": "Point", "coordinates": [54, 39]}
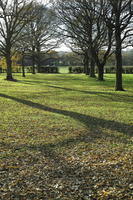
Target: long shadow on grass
{"type": "Point", "coordinates": [59, 167]}
{"type": "Point", "coordinates": [108, 95]}
{"type": "Point", "coordinates": [93, 124]}
{"type": "Point", "coordinates": [89, 121]}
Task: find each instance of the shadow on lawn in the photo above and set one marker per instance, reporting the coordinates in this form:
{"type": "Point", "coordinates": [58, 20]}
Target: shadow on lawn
{"type": "Point", "coordinates": [108, 95]}
{"type": "Point", "coordinates": [89, 121]}
{"type": "Point", "coordinates": [61, 169]}
{"type": "Point", "coordinates": [31, 82]}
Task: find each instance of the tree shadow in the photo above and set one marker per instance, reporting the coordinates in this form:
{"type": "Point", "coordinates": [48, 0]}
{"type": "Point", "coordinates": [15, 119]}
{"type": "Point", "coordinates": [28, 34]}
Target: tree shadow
{"type": "Point", "coordinates": [61, 171]}
{"type": "Point", "coordinates": [106, 95]}
{"type": "Point", "coordinates": [87, 120]}
{"type": "Point", "coordinates": [31, 82]}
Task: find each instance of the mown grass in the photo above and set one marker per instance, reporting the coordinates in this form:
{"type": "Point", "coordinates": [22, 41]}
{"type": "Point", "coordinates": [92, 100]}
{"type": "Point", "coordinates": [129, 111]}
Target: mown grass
{"type": "Point", "coordinates": [66, 137]}
{"type": "Point", "coordinates": [63, 69]}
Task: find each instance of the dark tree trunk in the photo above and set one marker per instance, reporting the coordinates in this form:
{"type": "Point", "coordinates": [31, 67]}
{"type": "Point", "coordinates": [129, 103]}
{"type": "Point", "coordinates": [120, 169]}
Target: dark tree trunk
{"type": "Point", "coordinates": [38, 60]}
{"type": "Point", "coordinates": [86, 64]}
{"type": "Point", "coordinates": [92, 69]}
{"type": "Point", "coordinates": [118, 53]}
{"type": "Point", "coordinates": [100, 72]}
{"type": "Point", "coordinates": [9, 76]}
{"type": "Point", "coordinates": [23, 67]}
{"type": "Point", "coordinates": [38, 64]}
{"type": "Point", "coordinates": [23, 71]}
{"type": "Point", "coordinates": [33, 66]}
{"type": "Point", "coordinates": [33, 60]}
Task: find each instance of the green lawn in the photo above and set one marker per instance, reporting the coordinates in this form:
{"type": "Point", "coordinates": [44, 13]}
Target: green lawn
{"type": "Point", "coordinates": [66, 137]}
{"type": "Point", "coordinates": [63, 69]}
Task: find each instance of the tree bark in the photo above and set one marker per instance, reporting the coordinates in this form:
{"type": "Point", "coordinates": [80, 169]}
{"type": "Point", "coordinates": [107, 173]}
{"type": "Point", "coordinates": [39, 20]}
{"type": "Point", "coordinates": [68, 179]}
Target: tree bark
{"type": "Point", "coordinates": [86, 65]}
{"type": "Point", "coordinates": [38, 63]}
{"type": "Point", "coordinates": [23, 67]}
{"type": "Point", "coordinates": [118, 54]}
{"type": "Point", "coordinates": [9, 76]}
{"type": "Point", "coordinates": [38, 60]}
{"type": "Point", "coordinates": [33, 60]}
{"type": "Point", "coordinates": [92, 69]}
{"type": "Point", "coordinates": [100, 72]}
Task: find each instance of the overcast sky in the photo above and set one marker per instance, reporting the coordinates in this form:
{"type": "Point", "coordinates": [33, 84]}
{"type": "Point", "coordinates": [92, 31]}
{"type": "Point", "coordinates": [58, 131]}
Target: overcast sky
{"type": "Point", "coordinates": [63, 47]}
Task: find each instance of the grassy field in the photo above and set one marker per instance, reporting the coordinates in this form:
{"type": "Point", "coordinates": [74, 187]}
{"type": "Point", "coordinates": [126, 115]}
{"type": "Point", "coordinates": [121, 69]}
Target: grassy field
{"type": "Point", "coordinates": [66, 137]}
{"type": "Point", "coordinates": [63, 69]}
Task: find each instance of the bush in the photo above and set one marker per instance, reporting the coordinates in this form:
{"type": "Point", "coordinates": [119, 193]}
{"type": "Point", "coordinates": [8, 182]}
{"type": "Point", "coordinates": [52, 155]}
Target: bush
{"type": "Point", "coordinates": [76, 70]}
{"type": "Point", "coordinates": [49, 70]}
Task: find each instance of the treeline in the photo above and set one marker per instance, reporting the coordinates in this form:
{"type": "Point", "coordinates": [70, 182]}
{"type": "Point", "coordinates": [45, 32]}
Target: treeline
{"type": "Point", "coordinates": [128, 58]}
{"type": "Point", "coordinates": [96, 30]}
{"type": "Point", "coordinates": [26, 28]}
{"type": "Point", "coordinates": [50, 59]}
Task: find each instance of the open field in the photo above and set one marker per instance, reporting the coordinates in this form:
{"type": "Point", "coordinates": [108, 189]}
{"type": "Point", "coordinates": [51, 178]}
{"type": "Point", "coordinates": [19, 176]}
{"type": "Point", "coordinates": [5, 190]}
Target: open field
{"type": "Point", "coordinates": [66, 137]}
{"type": "Point", "coordinates": [65, 69]}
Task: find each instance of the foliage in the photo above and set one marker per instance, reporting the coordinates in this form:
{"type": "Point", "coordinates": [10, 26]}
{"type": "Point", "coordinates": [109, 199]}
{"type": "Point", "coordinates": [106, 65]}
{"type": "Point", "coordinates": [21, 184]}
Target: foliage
{"type": "Point", "coordinates": [14, 15]}
{"type": "Point", "coordinates": [76, 70]}
{"type": "Point", "coordinates": [66, 137]}
{"type": "Point", "coordinates": [87, 32]}
{"type": "Point", "coordinates": [49, 70]}
{"type": "Point", "coordinates": [39, 35]}
{"type": "Point", "coordinates": [15, 66]}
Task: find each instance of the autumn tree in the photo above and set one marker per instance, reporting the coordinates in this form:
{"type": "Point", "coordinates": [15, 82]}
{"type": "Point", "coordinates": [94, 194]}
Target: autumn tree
{"type": "Point", "coordinates": [118, 16]}
{"type": "Point", "coordinates": [15, 62]}
{"type": "Point", "coordinates": [84, 27]}
{"type": "Point", "coordinates": [40, 34]}
{"type": "Point", "coordinates": [13, 18]}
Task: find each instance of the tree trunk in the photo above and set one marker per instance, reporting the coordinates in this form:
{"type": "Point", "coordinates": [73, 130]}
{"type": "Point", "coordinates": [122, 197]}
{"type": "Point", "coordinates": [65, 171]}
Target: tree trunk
{"type": "Point", "coordinates": [100, 72]}
{"type": "Point", "coordinates": [118, 54]}
{"type": "Point", "coordinates": [92, 69]}
{"type": "Point", "coordinates": [38, 60]}
{"type": "Point", "coordinates": [9, 76]}
{"type": "Point", "coordinates": [23, 67]}
{"type": "Point", "coordinates": [33, 60]}
{"type": "Point", "coordinates": [86, 65]}
{"type": "Point", "coordinates": [23, 71]}
{"type": "Point", "coordinates": [38, 64]}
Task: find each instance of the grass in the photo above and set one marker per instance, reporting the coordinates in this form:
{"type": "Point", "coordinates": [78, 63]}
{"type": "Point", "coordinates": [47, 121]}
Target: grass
{"type": "Point", "coordinates": [65, 137]}
{"type": "Point", "coordinates": [63, 69]}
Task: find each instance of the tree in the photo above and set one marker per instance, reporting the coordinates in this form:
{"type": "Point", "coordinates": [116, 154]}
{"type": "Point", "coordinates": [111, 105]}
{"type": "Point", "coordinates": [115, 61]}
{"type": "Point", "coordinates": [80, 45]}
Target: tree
{"type": "Point", "coordinates": [118, 16]}
{"type": "Point", "coordinates": [13, 18]}
{"type": "Point", "coordinates": [85, 28]}
{"type": "Point", "coordinates": [40, 33]}
{"type": "Point", "coordinates": [14, 59]}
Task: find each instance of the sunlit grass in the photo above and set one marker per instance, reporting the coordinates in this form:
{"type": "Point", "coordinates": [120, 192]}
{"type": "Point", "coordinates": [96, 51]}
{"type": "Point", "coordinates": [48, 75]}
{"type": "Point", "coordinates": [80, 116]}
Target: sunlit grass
{"type": "Point", "coordinates": [66, 129]}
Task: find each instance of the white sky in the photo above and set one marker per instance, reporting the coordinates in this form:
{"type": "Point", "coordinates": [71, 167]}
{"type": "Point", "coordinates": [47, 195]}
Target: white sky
{"type": "Point", "coordinates": [63, 47]}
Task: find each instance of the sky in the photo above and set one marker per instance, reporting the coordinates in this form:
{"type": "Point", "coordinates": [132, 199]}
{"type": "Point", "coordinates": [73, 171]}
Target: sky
{"type": "Point", "coordinates": [63, 47]}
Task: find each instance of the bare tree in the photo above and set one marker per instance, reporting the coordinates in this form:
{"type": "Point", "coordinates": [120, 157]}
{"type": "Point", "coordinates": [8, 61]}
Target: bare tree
{"type": "Point", "coordinates": [118, 16]}
{"type": "Point", "coordinates": [22, 49]}
{"type": "Point", "coordinates": [86, 28]}
{"type": "Point", "coordinates": [13, 18]}
{"type": "Point", "coordinates": [40, 33]}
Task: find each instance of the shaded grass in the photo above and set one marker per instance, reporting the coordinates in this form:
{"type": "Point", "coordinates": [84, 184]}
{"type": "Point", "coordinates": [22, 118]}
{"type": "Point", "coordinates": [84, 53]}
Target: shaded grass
{"type": "Point", "coordinates": [66, 137]}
